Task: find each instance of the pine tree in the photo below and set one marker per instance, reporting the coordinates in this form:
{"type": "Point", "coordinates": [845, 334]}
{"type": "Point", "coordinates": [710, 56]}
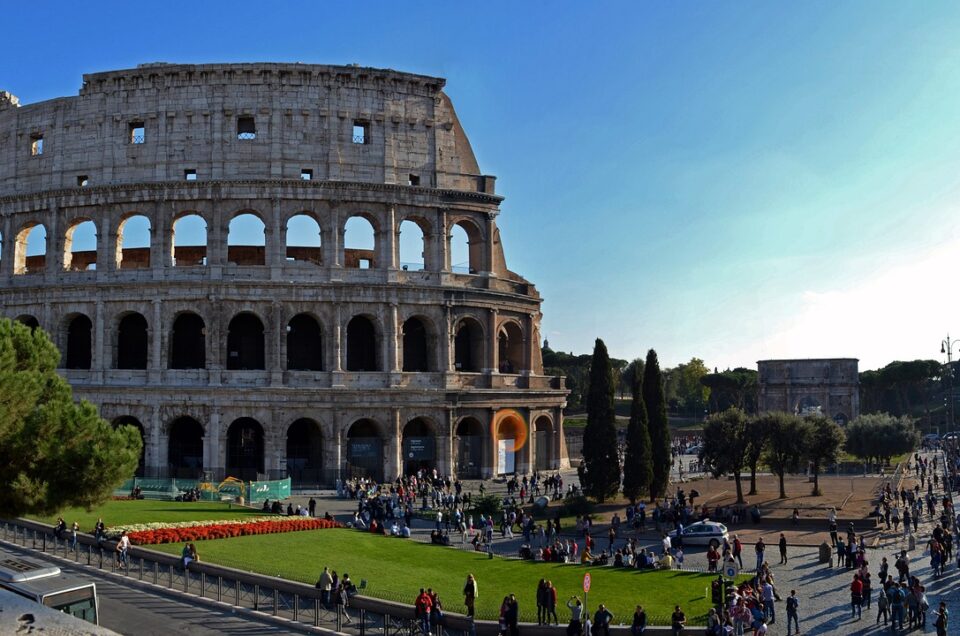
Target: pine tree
{"type": "Point", "coordinates": [656, 402]}
{"type": "Point", "coordinates": [638, 463]}
{"type": "Point", "coordinates": [601, 475]}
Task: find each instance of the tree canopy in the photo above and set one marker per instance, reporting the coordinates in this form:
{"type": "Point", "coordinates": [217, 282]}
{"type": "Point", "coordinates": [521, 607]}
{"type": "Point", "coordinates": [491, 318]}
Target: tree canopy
{"type": "Point", "coordinates": [732, 389]}
{"type": "Point", "coordinates": [878, 437]}
{"type": "Point", "coordinates": [724, 442]}
{"type": "Point", "coordinates": [824, 445]}
{"type": "Point", "coordinates": [656, 402]}
{"type": "Point", "coordinates": [638, 459]}
{"type": "Point", "coordinates": [787, 436]}
{"type": "Point", "coordinates": [601, 475]}
{"type": "Point", "coordinates": [54, 452]}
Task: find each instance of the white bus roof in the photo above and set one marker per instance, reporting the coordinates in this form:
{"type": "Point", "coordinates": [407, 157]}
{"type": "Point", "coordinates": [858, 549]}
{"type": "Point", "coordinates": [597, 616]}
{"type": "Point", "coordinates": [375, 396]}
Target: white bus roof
{"type": "Point", "coordinates": [16, 569]}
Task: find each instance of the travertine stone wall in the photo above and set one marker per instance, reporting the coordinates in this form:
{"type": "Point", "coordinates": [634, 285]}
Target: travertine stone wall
{"type": "Point", "coordinates": [796, 386]}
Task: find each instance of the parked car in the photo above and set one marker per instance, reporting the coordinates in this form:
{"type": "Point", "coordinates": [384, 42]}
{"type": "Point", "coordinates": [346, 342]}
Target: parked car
{"type": "Point", "coordinates": [704, 532]}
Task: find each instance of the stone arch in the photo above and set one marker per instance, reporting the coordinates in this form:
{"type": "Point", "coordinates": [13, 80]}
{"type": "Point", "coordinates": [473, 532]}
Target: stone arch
{"type": "Point", "coordinates": [361, 241]}
{"type": "Point", "coordinates": [188, 342]}
{"type": "Point", "coordinates": [510, 347]}
{"type": "Point", "coordinates": [30, 249]}
{"type": "Point", "coordinates": [364, 450]}
{"type": "Point", "coordinates": [80, 245]}
{"type": "Point", "coordinates": [468, 345]}
{"type": "Point", "coordinates": [245, 343]}
{"type": "Point", "coordinates": [247, 239]}
{"type": "Point", "coordinates": [470, 440]}
{"type": "Point", "coordinates": [304, 239]}
{"type": "Point", "coordinates": [416, 345]}
{"type": "Point", "coordinates": [543, 437]}
{"type": "Point", "coordinates": [412, 244]}
{"type": "Point", "coordinates": [79, 342]}
{"type": "Point", "coordinates": [133, 341]}
{"type": "Point", "coordinates": [419, 445]}
{"type": "Point", "coordinates": [510, 434]}
{"type": "Point", "coordinates": [185, 448]}
{"type": "Point", "coordinates": [133, 242]}
{"type": "Point", "coordinates": [245, 449]}
{"type": "Point", "coordinates": [808, 405]}
{"type": "Point", "coordinates": [188, 240]}
{"type": "Point", "coordinates": [305, 452]}
{"type": "Point", "coordinates": [363, 344]}
{"type": "Point", "coordinates": [304, 343]}
{"type": "Point", "coordinates": [29, 321]}
{"type": "Point", "coordinates": [466, 246]}
{"type": "Point", "coordinates": [129, 420]}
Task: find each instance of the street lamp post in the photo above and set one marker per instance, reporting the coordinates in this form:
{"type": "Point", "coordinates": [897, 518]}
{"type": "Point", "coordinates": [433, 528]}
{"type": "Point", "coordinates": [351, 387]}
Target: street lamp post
{"type": "Point", "coordinates": [946, 346]}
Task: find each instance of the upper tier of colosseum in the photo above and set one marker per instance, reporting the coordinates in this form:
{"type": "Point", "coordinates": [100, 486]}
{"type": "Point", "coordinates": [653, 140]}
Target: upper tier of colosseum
{"type": "Point", "coordinates": [162, 122]}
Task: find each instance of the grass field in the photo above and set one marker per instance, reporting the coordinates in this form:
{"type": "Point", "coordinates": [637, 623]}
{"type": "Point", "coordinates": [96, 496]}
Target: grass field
{"type": "Point", "coordinates": [395, 569]}
{"type": "Point", "coordinates": [146, 511]}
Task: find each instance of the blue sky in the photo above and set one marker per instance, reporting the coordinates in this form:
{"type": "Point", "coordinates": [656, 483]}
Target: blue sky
{"type": "Point", "coordinates": [732, 181]}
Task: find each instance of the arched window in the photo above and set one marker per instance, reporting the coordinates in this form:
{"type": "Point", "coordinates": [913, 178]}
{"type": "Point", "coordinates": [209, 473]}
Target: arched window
{"type": "Point", "coordinates": [245, 348]}
{"type": "Point", "coordinates": [128, 420]}
{"type": "Point", "coordinates": [510, 348]}
{"type": "Point", "coordinates": [419, 446]}
{"type": "Point", "coordinates": [30, 251]}
{"type": "Point", "coordinates": [416, 356]}
{"type": "Point", "coordinates": [185, 448]}
{"type": "Point", "coordinates": [246, 240]}
{"type": "Point", "coordinates": [132, 342]}
{"type": "Point", "coordinates": [303, 240]}
{"type": "Point", "coordinates": [305, 452]}
{"type": "Point", "coordinates": [304, 344]}
{"type": "Point", "coordinates": [188, 342]}
{"type": "Point", "coordinates": [133, 243]}
{"type": "Point", "coordinates": [79, 343]}
{"type": "Point", "coordinates": [80, 246]}
{"type": "Point", "coordinates": [28, 320]}
{"type": "Point", "coordinates": [543, 430]}
{"type": "Point", "coordinates": [468, 346]}
{"type": "Point", "coordinates": [364, 450]}
{"type": "Point", "coordinates": [189, 241]}
{"type": "Point", "coordinates": [359, 243]}
{"type": "Point", "coordinates": [245, 449]}
{"type": "Point", "coordinates": [362, 354]}
{"type": "Point", "coordinates": [466, 248]}
{"type": "Point", "coordinates": [413, 247]}
{"type": "Point", "coordinates": [470, 438]}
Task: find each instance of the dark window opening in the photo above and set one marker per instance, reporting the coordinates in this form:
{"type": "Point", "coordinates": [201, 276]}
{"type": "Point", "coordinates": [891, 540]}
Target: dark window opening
{"type": "Point", "coordinates": [245, 348]}
{"type": "Point", "coordinates": [36, 145]}
{"type": "Point", "coordinates": [415, 355]}
{"type": "Point", "coordinates": [510, 349]}
{"type": "Point", "coordinates": [185, 448]}
{"type": "Point", "coordinates": [29, 321]}
{"type": "Point", "coordinates": [361, 132]}
{"type": "Point", "coordinates": [306, 174]}
{"type": "Point", "coordinates": [305, 452]}
{"type": "Point", "coordinates": [132, 342]}
{"type": "Point", "coordinates": [245, 449]}
{"type": "Point", "coordinates": [362, 345]}
{"type": "Point", "coordinates": [413, 180]}
{"type": "Point", "coordinates": [246, 128]}
{"type": "Point", "coordinates": [128, 420]}
{"type": "Point", "coordinates": [419, 446]}
{"type": "Point", "coordinates": [468, 347]}
{"type": "Point", "coordinates": [190, 174]}
{"type": "Point", "coordinates": [138, 133]}
{"type": "Point", "coordinates": [82, 181]}
{"type": "Point", "coordinates": [364, 451]}
{"type": "Point", "coordinates": [79, 343]}
{"type": "Point", "coordinates": [304, 344]}
{"type": "Point", "coordinates": [188, 343]}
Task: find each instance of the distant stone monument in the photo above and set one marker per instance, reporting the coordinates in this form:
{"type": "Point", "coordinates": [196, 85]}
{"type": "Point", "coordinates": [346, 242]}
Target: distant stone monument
{"type": "Point", "coordinates": [830, 386]}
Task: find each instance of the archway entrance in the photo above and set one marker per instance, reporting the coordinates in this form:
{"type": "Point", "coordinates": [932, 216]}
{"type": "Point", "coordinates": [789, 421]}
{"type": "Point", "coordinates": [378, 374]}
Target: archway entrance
{"type": "Point", "coordinates": [511, 435]}
{"type": "Point", "coordinates": [245, 449]}
{"type": "Point", "coordinates": [543, 432]}
{"type": "Point", "coordinates": [364, 451]}
{"type": "Point", "coordinates": [128, 420]}
{"type": "Point", "coordinates": [305, 453]}
{"type": "Point", "coordinates": [419, 446]}
{"type": "Point", "coordinates": [469, 448]}
{"type": "Point", "coordinates": [185, 448]}
{"type": "Point", "coordinates": [468, 346]}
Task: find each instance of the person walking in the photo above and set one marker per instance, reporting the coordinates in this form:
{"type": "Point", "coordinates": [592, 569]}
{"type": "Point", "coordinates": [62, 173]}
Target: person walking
{"type": "Point", "coordinates": [541, 600]}
{"type": "Point", "coordinates": [760, 548]}
{"type": "Point", "coordinates": [738, 550]}
{"type": "Point", "coordinates": [793, 606]}
{"type": "Point", "coordinates": [512, 616]}
{"type": "Point", "coordinates": [769, 608]}
{"type": "Point", "coordinates": [783, 549]}
{"type": "Point", "coordinates": [856, 597]}
{"type": "Point", "coordinates": [551, 604]}
{"type": "Point", "coordinates": [470, 595]}
{"type": "Point", "coordinates": [882, 605]}
{"type": "Point", "coordinates": [421, 608]}
{"type": "Point", "coordinates": [943, 618]}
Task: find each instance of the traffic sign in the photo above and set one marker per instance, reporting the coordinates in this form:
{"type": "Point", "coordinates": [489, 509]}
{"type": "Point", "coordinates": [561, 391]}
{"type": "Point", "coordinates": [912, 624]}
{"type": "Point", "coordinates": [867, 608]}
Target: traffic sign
{"type": "Point", "coordinates": [730, 569]}
{"type": "Point", "coordinates": [586, 582]}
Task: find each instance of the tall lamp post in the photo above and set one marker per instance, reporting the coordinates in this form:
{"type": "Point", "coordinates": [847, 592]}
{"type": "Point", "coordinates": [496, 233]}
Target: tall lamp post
{"type": "Point", "coordinates": [946, 346]}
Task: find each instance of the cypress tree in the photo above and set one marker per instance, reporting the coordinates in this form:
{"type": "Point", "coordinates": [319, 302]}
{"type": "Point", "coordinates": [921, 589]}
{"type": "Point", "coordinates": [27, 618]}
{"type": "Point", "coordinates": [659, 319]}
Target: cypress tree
{"type": "Point", "coordinates": [637, 465]}
{"type": "Point", "coordinates": [656, 402]}
{"type": "Point", "coordinates": [601, 475]}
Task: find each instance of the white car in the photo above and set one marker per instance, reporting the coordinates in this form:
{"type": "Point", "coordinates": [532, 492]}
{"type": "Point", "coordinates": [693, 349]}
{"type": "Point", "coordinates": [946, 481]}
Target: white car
{"type": "Point", "coordinates": [702, 533]}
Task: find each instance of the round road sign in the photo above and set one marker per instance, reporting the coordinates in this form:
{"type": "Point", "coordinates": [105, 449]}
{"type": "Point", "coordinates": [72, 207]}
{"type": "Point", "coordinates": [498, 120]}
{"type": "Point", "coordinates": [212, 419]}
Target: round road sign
{"type": "Point", "coordinates": [730, 569]}
{"type": "Point", "coordinates": [586, 582]}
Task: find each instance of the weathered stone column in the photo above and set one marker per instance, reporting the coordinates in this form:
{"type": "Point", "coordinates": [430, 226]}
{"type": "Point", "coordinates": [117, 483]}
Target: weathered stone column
{"type": "Point", "coordinates": [389, 241]}
{"type": "Point", "coordinates": [393, 463]}
{"type": "Point", "coordinates": [213, 456]}
{"type": "Point", "coordinates": [99, 364]}
{"type": "Point", "coordinates": [493, 364]}
{"type": "Point", "coordinates": [160, 440]}
{"type": "Point", "coordinates": [488, 256]}
{"type": "Point", "coordinates": [7, 248]}
{"type": "Point", "coordinates": [156, 365]}
{"type": "Point", "coordinates": [392, 340]}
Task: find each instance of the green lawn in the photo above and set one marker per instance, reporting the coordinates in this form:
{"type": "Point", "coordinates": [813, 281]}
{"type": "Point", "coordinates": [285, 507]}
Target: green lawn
{"type": "Point", "coordinates": [395, 569]}
{"type": "Point", "coordinates": [146, 511]}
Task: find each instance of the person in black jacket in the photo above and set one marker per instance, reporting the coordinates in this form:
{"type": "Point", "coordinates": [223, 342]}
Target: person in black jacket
{"type": "Point", "coordinates": [512, 616]}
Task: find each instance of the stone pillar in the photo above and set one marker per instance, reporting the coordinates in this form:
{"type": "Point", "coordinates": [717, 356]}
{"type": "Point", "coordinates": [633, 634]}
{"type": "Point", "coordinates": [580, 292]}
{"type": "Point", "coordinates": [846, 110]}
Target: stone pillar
{"type": "Point", "coordinates": [490, 452]}
{"type": "Point", "coordinates": [214, 459]}
{"type": "Point", "coordinates": [488, 256]}
{"type": "Point", "coordinates": [276, 255]}
{"type": "Point", "coordinates": [99, 364]}
{"type": "Point", "coordinates": [529, 342]}
{"type": "Point", "coordinates": [7, 248]}
{"type": "Point", "coordinates": [159, 439]}
{"type": "Point", "coordinates": [446, 341]}
{"type": "Point", "coordinates": [107, 248]}
{"type": "Point", "coordinates": [392, 340]}
{"type": "Point", "coordinates": [54, 244]}
{"type": "Point", "coordinates": [443, 242]}
{"type": "Point", "coordinates": [338, 445]}
{"type": "Point", "coordinates": [274, 361]}
{"type": "Point", "coordinates": [390, 241]}
{"type": "Point", "coordinates": [216, 242]}
{"type": "Point", "coordinates": [156, 361]}
{"type": "Point", "coordinates": [493, 364]}
{"type": "Point", "coordinates": [393, 463]}
{"type": "Point", "coordinates": [336, 375]}
{"type": "Point", "coordinates": [332, 244]}
{"type": "Point", "coordinates": [160, 247]}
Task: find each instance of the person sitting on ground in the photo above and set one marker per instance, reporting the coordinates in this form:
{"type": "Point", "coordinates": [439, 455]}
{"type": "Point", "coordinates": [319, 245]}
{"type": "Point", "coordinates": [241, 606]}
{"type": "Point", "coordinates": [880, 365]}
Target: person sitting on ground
{"type": "Point", "coordinates": [666, 562]}
{"type": "Point", "coordinates": [266, 506]}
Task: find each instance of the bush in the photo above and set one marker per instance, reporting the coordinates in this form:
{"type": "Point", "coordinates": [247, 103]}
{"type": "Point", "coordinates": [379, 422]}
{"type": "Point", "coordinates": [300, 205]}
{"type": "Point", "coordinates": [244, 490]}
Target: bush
{"type": "Point", "coordinates": [487, 505]}
{"type": "Point", "coordinates": [576, 506]}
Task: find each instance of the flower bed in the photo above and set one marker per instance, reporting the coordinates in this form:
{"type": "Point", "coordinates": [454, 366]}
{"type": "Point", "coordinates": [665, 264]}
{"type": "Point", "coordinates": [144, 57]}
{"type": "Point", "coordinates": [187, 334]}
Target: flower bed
{"type": "Point", "coordinates": [200, 531]}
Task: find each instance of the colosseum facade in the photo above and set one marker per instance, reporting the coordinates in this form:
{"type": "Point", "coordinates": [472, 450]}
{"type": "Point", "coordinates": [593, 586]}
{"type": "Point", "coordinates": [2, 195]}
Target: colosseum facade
{"type": "Point", "coordinates": [241, 334]}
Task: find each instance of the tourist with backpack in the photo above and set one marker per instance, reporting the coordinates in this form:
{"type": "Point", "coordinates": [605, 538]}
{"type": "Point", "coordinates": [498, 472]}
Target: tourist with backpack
{"type": "Point", "coordinates": [793, 605]}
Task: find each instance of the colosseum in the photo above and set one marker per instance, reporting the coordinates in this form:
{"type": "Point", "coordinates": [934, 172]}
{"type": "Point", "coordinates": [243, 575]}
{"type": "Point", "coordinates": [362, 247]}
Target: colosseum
{"type": "Point", "coordinates": [187, 234]}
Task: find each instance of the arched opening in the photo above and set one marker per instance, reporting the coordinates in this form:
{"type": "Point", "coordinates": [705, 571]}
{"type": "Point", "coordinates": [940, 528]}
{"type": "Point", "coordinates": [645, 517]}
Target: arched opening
{"type": "Point", "coordinates": [185, 448]}
{"type": "Point", "coordinates": [245, 348]}
{"type": "Point", "coordinates": [80, 246]}
{"type": "Point", "coordinates": [413, 247]}
{"type": "Point", "coordinates": [305, 453]}
{"type": "Point", "coordinates": [246, 240]}
{"type": "Point", "coordinates": [510, 438]}
{"type": "Point", "coordinates": [245, 449]}
{"type": "Point", "coordinates": [79, 343]}
{"type": "Point", "coordinates": [510, 348]}
{"type": "Point", "coordinates": [28, 320]}
{"type": "Point", "coordinates": [841, 419]}
{"type": "Point", "coordinates": [128, 420]}
{"type": "Point", "coordinates": [132, 342]}
{"type": "Point", "coordinates": [133, 243]}
{"type": "Point", "coordinates": [364, 451]}
{"type": "Point", "coordinates": [189, 241]}
{"type": "Point", "coordinates": [419, 446]}
{"type": "Point", "coordinates": [543, 434]}
{"type": "Point", "coordinates": [359, 243]}
{"type": "Point", "coordinates": [808, 405]}
{"type": "Point", "coordinates": [416, 355]}
{"type": "Point", "coordinates": [466, 248]}
{"type": "Point", "coordinates": [362, 352]}
{"type": "Point", "coordinates": [188, 342]}
{"type": "Point", "coordinates": [304, 240]}
{"type": "Point", "coordinates": [468, 346]}
{"type": "Point", "coordinates": [30, 251]}
{"type": "Point", "coordinates": [304, 344]}
{"type": "Point", "coordinates": [469, 448]}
